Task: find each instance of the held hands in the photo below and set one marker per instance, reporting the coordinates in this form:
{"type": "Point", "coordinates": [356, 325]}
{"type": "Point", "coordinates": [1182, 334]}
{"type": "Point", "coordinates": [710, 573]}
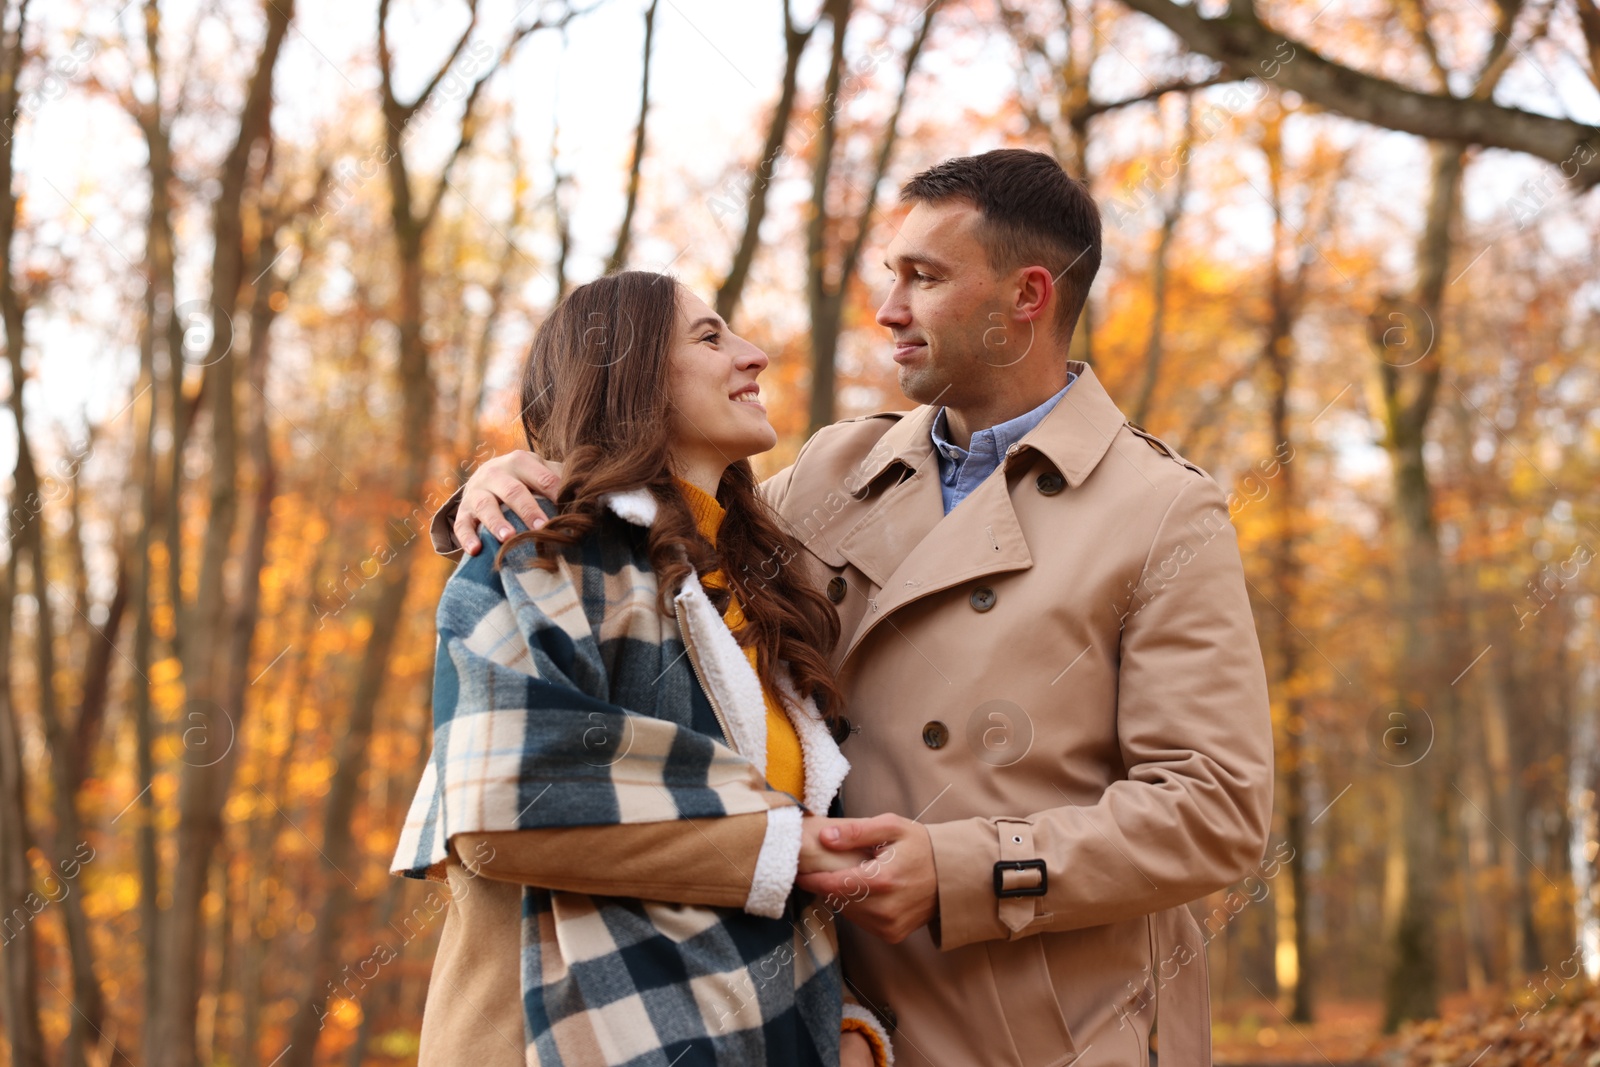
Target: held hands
{"type": "Point", "coordinates": [816, 859]}
{"type": "Point", "coordinates": [890, 895]}
{"type": "Point", "coordinates": [513, 479]}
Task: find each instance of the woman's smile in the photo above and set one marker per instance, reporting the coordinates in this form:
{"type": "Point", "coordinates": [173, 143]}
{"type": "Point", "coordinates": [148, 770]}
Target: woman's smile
{"type": "Point", "coordinates": [749, 395]}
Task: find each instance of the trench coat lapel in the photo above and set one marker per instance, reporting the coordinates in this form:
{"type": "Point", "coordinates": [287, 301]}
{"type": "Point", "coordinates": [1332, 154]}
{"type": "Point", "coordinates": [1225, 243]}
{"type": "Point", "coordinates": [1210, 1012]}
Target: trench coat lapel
{"type": "Point", "coordinates": [910, 549]}
{"type": "Point", "coordinates": [908, 510]}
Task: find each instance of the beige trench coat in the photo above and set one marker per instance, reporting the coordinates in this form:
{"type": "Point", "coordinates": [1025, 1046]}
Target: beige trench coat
{"type": "Point", "coordinates": [1064, 669]}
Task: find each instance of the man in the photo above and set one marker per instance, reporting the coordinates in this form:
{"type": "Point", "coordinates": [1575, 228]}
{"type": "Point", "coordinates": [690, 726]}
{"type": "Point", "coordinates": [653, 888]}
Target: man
{"type": "Point", "coordinates": [1048, 653]}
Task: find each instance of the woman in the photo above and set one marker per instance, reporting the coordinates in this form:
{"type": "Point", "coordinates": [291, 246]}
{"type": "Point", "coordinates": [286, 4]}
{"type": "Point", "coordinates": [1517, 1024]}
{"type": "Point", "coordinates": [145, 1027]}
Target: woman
{"type": "Point", "coordinates": [629, 763]}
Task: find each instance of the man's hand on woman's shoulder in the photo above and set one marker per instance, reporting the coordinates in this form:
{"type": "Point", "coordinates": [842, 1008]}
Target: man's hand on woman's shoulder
{"type": "Point", "coordinates": [513, 480]}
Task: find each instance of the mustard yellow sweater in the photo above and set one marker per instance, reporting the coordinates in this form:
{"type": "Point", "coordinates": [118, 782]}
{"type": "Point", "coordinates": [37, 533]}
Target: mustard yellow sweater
{"type": "Point", "coordinates": [785, 768]}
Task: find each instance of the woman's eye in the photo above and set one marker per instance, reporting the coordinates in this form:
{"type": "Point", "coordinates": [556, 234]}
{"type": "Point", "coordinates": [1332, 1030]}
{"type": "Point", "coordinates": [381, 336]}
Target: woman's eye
{"type": "Point", "coordinates": [713, 338]}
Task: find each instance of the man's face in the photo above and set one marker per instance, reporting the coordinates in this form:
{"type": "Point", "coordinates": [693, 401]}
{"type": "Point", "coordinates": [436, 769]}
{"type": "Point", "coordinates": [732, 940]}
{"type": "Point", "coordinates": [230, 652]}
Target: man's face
{"type": "Point", "coordinates": [945, 308]}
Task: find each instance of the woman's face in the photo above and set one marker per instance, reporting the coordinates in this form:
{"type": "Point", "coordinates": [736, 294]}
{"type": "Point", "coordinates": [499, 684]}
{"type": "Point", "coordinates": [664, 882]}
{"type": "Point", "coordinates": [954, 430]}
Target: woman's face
{"type": "Point", "coordinates": [717, 415]}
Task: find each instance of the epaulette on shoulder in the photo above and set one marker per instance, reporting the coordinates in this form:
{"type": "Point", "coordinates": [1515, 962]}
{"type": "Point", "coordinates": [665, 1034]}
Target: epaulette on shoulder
{"type": "Point", "coordinates": [1161, 446]}
{"type": "Point", "coordinates": [895, 415]}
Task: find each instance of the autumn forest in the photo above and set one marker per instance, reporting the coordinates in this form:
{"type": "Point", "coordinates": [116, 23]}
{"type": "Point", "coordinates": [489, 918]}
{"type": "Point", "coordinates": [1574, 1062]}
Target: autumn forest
{"type": "Point", "coordinates": [268, 271]}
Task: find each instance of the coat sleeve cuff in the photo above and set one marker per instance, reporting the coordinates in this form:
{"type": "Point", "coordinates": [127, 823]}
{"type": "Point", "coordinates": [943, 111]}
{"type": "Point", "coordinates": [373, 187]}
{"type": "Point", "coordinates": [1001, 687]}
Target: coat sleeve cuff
{"type": "Point", "coordinates": [777, 864]}
{"type": "Point", "coordinates": [964, 855]}
{"type": "Point", "coordinates": [858, 1019]}
{"type": "Point", "coordinates": [441, 530]}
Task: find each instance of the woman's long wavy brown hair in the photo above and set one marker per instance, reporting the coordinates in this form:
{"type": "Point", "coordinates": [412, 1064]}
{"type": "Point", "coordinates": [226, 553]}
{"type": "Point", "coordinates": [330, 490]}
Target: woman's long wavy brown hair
{"type": "Point", "coordinates": [596, 397]}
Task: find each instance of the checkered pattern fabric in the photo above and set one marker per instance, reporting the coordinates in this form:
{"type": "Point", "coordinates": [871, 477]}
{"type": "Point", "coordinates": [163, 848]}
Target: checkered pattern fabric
{"type": "Point", "coordinates": [562, 699]}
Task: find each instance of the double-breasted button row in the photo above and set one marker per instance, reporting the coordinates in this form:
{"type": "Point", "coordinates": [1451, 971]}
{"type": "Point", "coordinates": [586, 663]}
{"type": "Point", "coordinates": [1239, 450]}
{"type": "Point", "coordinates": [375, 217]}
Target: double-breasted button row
{"type": "Point", "coordinates": [1050, 483]}
{"type": "Point", "coordinates": [982, 598]}
{"type": "Point", "coordinates": [836, 588]}
{"type": "Point", "coordinates": [935, 734]}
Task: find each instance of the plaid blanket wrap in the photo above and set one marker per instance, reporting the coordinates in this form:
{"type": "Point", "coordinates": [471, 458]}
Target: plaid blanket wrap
{"type": "Point", "coordinates": [562, 699]}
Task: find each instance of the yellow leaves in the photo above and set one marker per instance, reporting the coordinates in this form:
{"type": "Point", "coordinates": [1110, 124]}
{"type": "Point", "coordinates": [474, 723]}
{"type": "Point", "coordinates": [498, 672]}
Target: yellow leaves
{"type": "Point", "coordinates": [241, 806]}
{"type": "Point", "coordinates": [311, 777]}
{"type": "Point", "coordinates": [112, 896]}
{"type": "Point", "coordinates": [343, 1013]}
{"type": "Point", "coordinates": [161, 621]}
{"type": "Point", "coordinates": [398, 1044]}
{"type": "Point", "coordinates": [381, 840]}
{"type": "Point", "coordinates": [166, 686]}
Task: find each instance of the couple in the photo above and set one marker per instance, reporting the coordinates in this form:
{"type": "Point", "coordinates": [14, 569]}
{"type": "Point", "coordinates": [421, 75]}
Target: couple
{"type": "Point", "coordinates": [1052, 695]}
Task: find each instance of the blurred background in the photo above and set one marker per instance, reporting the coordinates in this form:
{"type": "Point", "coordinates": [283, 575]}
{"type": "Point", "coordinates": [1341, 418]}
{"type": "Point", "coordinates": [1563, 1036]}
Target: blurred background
{"type": "Point", "coordinates": [267, 274]}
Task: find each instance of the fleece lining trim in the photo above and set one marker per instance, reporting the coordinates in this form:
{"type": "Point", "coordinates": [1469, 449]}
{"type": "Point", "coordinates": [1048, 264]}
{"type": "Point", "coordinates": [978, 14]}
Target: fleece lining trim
{"type": "Point", "coordinates": [883, 1051]}
{"type": "Point", "coordinates": [777, 864]}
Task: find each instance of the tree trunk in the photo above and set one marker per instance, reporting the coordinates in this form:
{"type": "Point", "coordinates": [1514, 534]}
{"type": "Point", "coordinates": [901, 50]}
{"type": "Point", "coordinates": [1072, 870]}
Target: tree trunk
{"type": "Point", "coordinates": [794, 43]}
{"type": "Point", "coordinates": [1158, 274]}
{"type": "Point", "coordinates": [411, 224]}
{"type": "Point", "coordinates": [820, 295]}
{"type": "Point", "coordinates": [19, 953]}
{"type": "Point", "coordinates": [619, 253]}
{"type": "Point", "coordinates": [98, 661]}
{"type": "Point", "coordinates": [160, 329]}
{"type": "Point", "coordinates": [88, 1016]}
{"type": "Point", "coordinates": [1404, 337]}
{"type": "Point", "coordinates": [1583, 819]}
{"type": "Point", "coordinates": [826, 296]}
{"type": "Point", "coordinates": [210, 728]}
{"type": "Point", "coordinates": [1292, 957]}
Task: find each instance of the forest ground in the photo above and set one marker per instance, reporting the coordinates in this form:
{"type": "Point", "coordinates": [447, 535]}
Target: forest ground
{"type": "Point", "coordinates": [1486, 1030]}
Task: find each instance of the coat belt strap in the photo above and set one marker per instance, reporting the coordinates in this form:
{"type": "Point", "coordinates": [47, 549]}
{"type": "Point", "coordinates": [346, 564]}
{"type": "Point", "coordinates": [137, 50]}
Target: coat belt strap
{"type": "Point", "coordinates": [1183, 990]}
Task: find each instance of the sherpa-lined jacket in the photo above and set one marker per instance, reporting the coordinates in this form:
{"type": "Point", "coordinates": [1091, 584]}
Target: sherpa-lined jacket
{"type": "Point", "coordinates": [590, 755]}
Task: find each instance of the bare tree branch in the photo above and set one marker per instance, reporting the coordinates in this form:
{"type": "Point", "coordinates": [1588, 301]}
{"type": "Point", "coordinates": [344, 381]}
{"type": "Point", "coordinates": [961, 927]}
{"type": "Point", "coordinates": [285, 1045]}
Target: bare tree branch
{"type": "Point", "coordinates": [619, 253]}
{"type": "Point", "coordinates": [1154, 346]}
{"type": "Point", "coordinates": [1181, 85]}
{"type": "Point", "coordinates": [795, 40]}
{"type": "Point", "coordinates": [1250, 49]}
{"type": "Point", "coordinates": [405, 111]}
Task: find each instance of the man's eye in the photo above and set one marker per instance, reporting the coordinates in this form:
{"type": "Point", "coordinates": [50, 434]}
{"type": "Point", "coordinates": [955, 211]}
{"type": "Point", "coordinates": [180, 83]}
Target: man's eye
{"type": "Point", "coordinates": [921, 277]}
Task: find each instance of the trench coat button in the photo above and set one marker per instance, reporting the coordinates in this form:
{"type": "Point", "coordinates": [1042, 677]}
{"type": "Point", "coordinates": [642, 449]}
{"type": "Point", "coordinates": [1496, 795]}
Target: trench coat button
{"type": "Point", "coordinates": [1050, 483]}
{"type": "Point", "coordinates": [982, 598]}
{"type": "Point", "coordinates": [836, 588]}
{"type": "Point", "coordinates": [935, 734]}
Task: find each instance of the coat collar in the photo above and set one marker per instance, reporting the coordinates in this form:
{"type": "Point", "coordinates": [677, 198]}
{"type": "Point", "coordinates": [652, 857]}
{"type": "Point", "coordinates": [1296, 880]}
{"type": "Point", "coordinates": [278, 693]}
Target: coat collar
{"type": "Point", "coordinates": [910, 549]}
{"type": "Point", "coordinates": [1074, 436]}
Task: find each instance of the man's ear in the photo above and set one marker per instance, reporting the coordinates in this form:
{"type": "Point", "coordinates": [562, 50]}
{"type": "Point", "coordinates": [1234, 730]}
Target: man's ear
{"type": "Point", "coordinates": [1035, 287]}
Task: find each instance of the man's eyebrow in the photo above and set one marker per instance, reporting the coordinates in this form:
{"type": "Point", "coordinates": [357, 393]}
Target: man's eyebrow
{"type": "Point", "coordinates": [919, 259]}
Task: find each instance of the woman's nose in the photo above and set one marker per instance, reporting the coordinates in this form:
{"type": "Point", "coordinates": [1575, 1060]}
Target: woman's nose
{"type": "Point", "coordinates": [750, 357]}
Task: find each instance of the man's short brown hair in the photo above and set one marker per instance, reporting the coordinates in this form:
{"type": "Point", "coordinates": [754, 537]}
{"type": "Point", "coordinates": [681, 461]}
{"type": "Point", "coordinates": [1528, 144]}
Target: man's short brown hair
{"type": "Point", "coordinates": [1033, 215]}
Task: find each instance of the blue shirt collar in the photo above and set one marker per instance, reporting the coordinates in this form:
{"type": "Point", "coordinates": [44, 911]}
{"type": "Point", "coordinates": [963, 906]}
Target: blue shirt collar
{"type": "Point", "coordinates": [962, 469]}
{"type": "Point", "coordinates": [994, 441]}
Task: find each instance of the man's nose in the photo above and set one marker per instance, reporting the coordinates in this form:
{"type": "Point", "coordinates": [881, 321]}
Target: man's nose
{"type": "Point", "coordinates": [894, 311]}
